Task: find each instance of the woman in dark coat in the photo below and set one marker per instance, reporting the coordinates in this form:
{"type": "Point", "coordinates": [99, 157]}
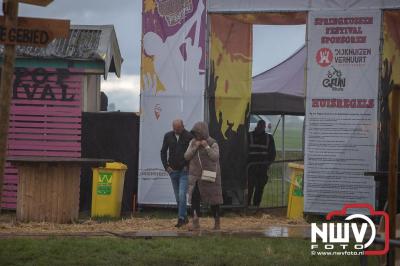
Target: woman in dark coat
{"type": "Point", "coordinates": [203, 154]}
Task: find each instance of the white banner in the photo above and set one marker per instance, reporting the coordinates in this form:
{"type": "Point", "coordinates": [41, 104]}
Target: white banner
{"type": "Point", "coordinates": [341, 108]}
{"type": "Point", "coordinates": [173, 81]}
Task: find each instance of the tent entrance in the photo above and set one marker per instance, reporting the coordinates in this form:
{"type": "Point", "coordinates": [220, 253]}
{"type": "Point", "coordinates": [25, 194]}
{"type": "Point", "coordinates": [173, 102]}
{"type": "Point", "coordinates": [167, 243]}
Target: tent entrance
{"type": "Point", "coordinates": [229, 91]}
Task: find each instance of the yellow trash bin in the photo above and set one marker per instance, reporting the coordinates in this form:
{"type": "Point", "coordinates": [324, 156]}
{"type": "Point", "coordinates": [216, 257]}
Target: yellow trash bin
{"type": "Point", "coordinates": [296, 198]}
{"type": "Point", "coordinates": [108, 187]}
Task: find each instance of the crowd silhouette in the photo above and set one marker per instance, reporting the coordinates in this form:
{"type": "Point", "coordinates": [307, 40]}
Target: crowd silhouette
{"type": "Point", "coordinates": [232, 144]}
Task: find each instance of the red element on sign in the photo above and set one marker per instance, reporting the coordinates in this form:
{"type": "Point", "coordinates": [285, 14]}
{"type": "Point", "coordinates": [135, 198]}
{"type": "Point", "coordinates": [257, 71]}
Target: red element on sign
{"type": "Point", "coordinates": [324, 57]}
{"type": "Point", "coordinates": [343, 212]}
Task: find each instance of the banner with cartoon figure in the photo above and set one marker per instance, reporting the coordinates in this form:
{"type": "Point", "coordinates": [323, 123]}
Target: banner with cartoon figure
{"type": "Point", "coordinates": [172, 83]}
{"type": "Point", "coordinates": [341, 108]}
{"type": "Point", "coordinates": [389, 78]}
{"type": "Point", "coordinates": [229, 93]}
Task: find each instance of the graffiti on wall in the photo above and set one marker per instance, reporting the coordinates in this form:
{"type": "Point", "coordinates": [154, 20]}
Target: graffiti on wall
{"type": "Point", "coordinates": [43, 84]}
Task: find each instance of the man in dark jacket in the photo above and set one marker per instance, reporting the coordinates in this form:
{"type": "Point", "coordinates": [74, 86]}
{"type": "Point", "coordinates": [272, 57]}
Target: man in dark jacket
{"type": "Point", "coordinates": [262, 151]}
{"type": "Point", "coordinates": [176, 143]}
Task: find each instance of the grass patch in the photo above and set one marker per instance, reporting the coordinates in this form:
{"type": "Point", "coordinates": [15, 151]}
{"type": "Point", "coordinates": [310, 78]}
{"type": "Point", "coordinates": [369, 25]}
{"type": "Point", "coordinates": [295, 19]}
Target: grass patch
{"type": "Point", "coordinates": [182, 251]}
{"type": "Point", "coordinates": [293, 138]}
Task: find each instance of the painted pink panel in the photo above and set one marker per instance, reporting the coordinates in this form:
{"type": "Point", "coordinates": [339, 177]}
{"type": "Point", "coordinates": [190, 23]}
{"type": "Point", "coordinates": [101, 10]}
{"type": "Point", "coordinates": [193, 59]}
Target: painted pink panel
{"type": "Point", "coordinates": [39, 147]}
{"type": "Point", "coordinates": [8, 194]}
{"type": "Point", "coordinates": [16, 136]}
{"type": "Point", "coordinates": [28, 143]}
{"type": "Point", "coordinates": [76, 154]}
{"type": "Point", "coordinates": [45, 119]}
{"type": "Point", "coordinates": [45, 125]}
{"type": "Point", "coordinates": [45, 110]}
{"type": "Point", "coordinates": [8, 187]}
{"type": "Point", "coordinates": [9, 206]}
{"type": "Point", "coordinates": [10, 169]}
{"type": "Point", "coordinates": [40, 102]}
{"type": "Point", "coordinates": [45, 131]}
{"type": "Point", "coordinates": [11, 179]}
{"type": "Point", "coordinates": [9, 200]}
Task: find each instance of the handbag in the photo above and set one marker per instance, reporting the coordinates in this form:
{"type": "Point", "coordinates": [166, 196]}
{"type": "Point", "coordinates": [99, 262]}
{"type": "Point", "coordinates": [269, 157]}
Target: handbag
{"type": "Point", "coordinates": [207, 175]}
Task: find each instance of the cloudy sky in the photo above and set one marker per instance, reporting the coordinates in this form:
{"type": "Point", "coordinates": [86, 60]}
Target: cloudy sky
{"type": "Point", "coordinates": [272, 44]}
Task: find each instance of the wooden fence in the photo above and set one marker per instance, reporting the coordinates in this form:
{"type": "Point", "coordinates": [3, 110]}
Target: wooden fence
{"type": "Point", "coordinates": [45, 119]}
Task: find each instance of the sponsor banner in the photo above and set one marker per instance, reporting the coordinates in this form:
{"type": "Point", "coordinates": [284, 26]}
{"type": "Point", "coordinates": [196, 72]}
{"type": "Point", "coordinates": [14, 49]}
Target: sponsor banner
{"type": "Point", "coordinates": [172, 83]}
{"type": "Point", "coordinates": [341, 108]}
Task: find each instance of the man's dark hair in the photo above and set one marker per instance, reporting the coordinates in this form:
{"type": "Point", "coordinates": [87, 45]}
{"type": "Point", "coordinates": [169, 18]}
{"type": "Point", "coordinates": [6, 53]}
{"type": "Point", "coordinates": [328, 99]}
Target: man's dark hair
{"type": "Point", "coordinates": [261, 123]}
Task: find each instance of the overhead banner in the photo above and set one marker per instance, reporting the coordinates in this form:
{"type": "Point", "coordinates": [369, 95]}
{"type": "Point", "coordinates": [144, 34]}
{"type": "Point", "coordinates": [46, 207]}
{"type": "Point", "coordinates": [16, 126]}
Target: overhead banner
{"type": "Point", "coordinates": [341, 108]}
{"type": "Point", "coordinates": [172, 83]}
{"type": "Point", "coordinates": [259, 6]}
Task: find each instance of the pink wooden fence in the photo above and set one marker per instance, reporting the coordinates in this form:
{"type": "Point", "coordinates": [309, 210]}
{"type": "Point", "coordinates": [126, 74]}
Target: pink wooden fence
{"type": "Point", "coordinates": [45, 120]}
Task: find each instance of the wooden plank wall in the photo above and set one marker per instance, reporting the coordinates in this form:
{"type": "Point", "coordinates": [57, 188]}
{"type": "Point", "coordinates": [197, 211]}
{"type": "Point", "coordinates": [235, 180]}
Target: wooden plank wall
{"type": "Point", "coordinates": [48, 193]}
{"type": "Point", "coordinates": [45, 119]}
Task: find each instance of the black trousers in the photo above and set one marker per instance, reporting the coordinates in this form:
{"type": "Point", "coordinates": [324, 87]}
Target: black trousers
{"type": "Point", "coordinates": [196, 199]}
{"type": "Point", "coordinates": [258, 178]}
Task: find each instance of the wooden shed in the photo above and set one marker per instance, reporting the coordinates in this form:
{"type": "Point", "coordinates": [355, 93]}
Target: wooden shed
{"type": "Point", "coordinates": [52, 87]}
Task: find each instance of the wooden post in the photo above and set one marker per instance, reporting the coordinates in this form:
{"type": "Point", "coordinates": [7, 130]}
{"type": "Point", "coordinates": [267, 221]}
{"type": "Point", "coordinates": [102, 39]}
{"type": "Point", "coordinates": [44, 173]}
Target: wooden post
{"type": "Point", "coordinates": [10, 9]}
{"type": "Point", "coordinates": [393, 166]}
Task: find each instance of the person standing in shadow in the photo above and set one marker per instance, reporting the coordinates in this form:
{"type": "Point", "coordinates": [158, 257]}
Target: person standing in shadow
{"type": "Point", "coordinates": [261, 151]}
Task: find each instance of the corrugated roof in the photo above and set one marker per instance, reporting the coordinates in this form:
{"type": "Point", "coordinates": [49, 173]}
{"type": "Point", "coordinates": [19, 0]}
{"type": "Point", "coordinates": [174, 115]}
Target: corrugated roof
{"type": "Point", "coordinates": [85, 42]}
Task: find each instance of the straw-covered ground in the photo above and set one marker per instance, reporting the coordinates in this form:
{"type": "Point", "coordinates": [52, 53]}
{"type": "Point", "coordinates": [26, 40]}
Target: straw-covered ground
{"type": "Point", "coordinates": [94, 242]}
{"type": "Point", "coordinates": [146, 222]}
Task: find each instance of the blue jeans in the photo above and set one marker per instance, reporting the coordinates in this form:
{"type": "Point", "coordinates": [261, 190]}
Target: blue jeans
{"type": "Point", "coordinates": [179, 181]}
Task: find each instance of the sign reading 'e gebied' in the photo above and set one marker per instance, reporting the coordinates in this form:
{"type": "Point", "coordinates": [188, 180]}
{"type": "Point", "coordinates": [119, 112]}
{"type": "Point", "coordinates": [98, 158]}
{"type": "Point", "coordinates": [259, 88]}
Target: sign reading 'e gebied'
{"type": "Point", "coordinates": [33, 31]}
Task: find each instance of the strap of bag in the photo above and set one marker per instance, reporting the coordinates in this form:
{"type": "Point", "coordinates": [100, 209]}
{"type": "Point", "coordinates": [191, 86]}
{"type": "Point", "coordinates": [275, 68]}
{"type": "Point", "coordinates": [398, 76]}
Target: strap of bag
{"type": "Point", "coordinates": [201, 165]}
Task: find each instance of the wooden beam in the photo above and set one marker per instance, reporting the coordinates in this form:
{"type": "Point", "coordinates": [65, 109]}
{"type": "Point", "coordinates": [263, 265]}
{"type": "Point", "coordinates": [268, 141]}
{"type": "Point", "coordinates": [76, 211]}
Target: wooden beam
{"type": "Point", "coordinates": [7, 73]}
{"type": "Point", "coordinates": [36, 2]}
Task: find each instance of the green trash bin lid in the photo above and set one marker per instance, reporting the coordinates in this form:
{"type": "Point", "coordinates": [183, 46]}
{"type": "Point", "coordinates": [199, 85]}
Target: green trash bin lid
{"type": "Point", "coordinates": [115, 166]}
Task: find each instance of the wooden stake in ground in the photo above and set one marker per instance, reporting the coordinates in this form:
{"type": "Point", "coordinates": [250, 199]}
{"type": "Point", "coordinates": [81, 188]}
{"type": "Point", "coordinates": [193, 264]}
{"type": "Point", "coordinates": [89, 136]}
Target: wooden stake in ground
{"type": "Point", "coordinates": [10, 10]}
{"type": "Point", "coordinates": [393, 166]}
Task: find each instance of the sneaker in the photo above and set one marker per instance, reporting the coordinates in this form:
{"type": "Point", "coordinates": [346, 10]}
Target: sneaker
{"type": "Point", "coordinates": [180, 223]}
